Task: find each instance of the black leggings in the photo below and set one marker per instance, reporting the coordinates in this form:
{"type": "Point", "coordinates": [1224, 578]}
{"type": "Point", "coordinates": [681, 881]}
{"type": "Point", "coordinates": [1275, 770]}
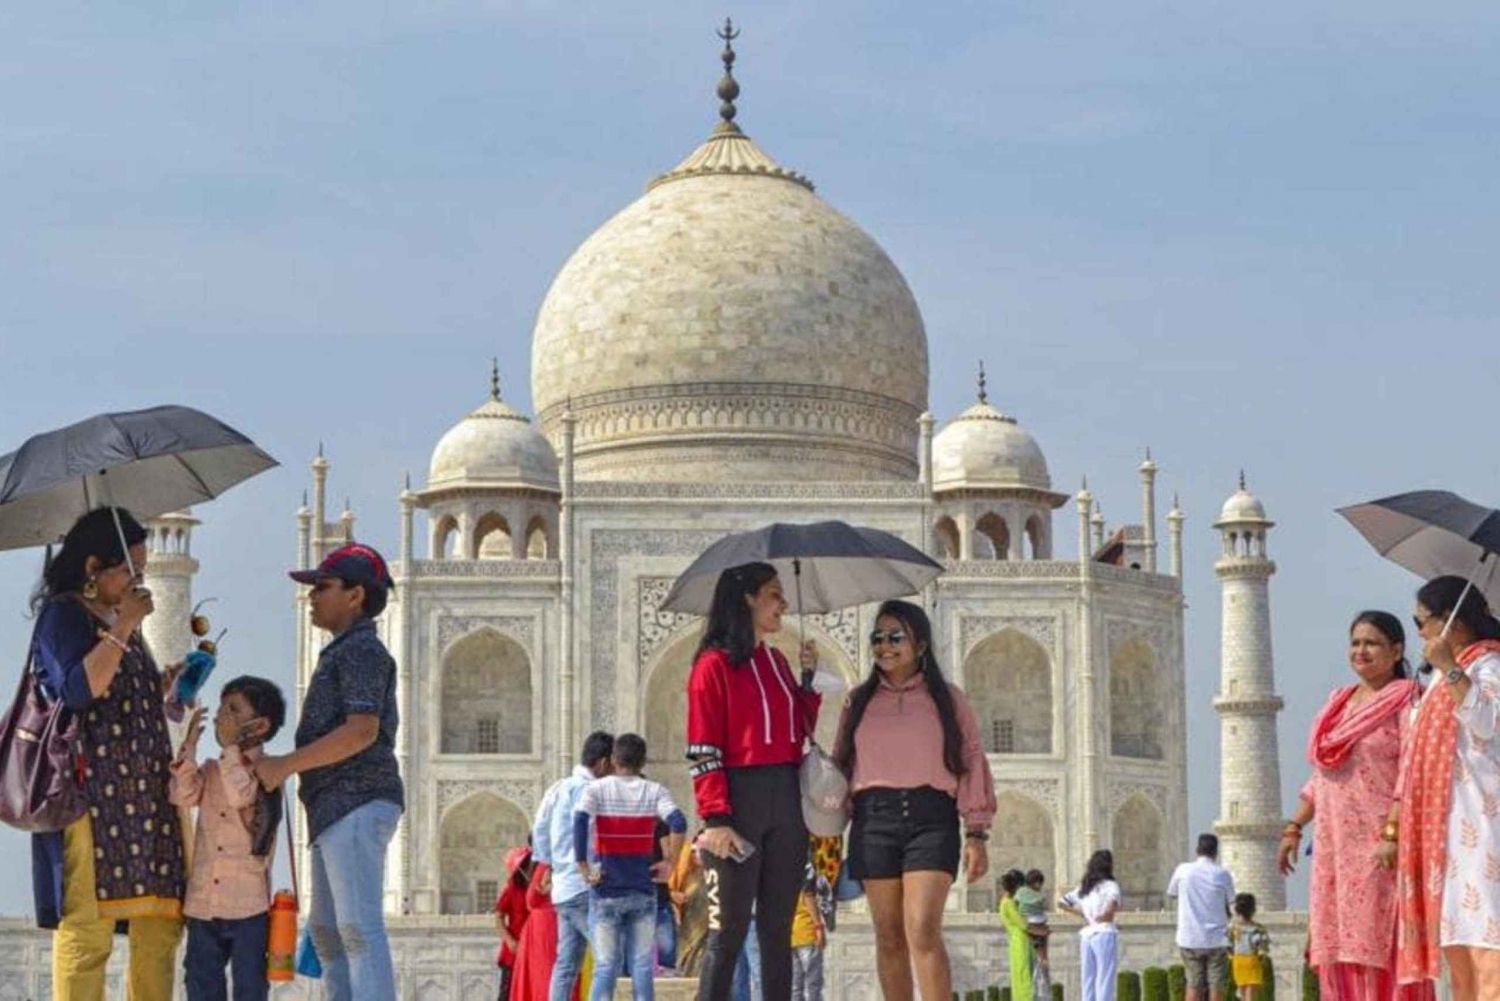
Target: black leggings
{"type": "Point", "coordinates": [768, 813]}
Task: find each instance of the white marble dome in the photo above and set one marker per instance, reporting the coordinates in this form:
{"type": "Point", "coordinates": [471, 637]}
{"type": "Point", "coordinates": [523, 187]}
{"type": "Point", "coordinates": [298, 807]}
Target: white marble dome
{"type": "Point", "coordinates": [984, 448]}
{"type": "Point", "coordinates": [1242, 506]}
{"type": "Point", "coordinates": [493, 447]}
{"type": "Point", "coordinates": [730, 324]}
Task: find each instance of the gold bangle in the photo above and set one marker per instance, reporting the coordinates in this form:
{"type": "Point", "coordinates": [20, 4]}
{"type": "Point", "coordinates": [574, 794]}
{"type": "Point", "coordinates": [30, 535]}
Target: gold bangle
{"type": "Point", "coordinates": [1391, 832]}
{"type": "Point", "coordinates": [109, 637]}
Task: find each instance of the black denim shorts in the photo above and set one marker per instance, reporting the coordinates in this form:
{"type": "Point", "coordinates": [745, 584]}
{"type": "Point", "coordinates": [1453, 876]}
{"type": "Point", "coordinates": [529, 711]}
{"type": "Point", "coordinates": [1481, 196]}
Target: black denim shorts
{"type": "Point", "coordinates": [904, 830]}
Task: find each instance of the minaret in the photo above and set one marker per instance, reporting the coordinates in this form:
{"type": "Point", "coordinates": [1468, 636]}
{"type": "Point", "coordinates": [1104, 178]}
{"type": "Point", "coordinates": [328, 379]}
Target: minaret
{"type": "Point", "coordinates": [1250, 774]}
{"type": "Point", "coordinates": [1148, 513]}
{"type": "Point", "coordinates": [1175, 518]}
{"type": "Point", "coordinates": [169, 574]}
{"type": "Point", "coordinates": [1098, 523]}
{"type": "Point", "coordinates": [320, 508]}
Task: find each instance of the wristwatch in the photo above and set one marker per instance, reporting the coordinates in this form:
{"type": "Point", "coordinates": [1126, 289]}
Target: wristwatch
{"type": "Point", "coordinates": [1455, 675]}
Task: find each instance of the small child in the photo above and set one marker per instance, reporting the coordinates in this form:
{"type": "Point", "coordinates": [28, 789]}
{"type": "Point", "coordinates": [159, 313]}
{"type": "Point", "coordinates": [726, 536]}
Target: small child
{"type": "Point", "coordinates": [229, 889]}
{"type": "Point", "coordinates": [809, 939]}
{"type": "Point", "coordinates": [1033, 904]}
{"type": "Point", "coordinates": [1250, 944]}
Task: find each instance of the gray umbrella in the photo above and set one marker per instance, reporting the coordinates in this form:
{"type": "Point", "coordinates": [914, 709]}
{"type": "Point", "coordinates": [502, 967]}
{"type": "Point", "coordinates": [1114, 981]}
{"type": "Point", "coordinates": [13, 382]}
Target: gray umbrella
{"type": "Point", "coordinates": [146, 461]}
{"type": "Point", "coordinates": [832, 565]}
{"type": "Point", "coordinates": [1433, 533]}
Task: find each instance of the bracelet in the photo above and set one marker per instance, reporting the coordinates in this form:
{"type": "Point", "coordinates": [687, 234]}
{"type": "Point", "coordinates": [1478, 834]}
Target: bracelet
{"type": "Point", "coordinates": [977, 835]}
{"type": "Point", "coordinates": [109, 637]}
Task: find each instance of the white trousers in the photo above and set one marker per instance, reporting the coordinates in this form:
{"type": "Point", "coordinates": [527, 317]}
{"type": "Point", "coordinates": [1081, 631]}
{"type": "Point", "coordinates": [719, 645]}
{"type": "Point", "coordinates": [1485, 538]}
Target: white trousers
{"type": "Point", "coordinates": [1100, 952]}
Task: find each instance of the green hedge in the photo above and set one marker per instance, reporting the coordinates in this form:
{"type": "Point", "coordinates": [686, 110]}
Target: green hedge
{"type": "Point", "coordinates": [1057, 992]}
{"type": "Point", "coordinates": [1177, 982]}
{"type": "Point", "coordinates": [993, 994]}
{"type": "Point", "coordinates": [1154, 984]}
{"type": "Point", "coordinates": [1312, 988]}
{"type": "Point", "coordinates": [1128, 986]}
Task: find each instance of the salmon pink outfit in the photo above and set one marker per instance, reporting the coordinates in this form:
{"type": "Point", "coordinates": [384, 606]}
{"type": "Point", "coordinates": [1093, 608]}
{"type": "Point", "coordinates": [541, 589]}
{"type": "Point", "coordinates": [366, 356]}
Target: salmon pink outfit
{"type": "Point", "coordinates": [1355, 751]}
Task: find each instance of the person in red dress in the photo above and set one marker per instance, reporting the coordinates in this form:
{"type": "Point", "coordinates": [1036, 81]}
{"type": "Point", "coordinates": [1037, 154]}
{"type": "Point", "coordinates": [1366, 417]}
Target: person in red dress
{"type": "Point", "coordinates": [531, 976]}
{"type": "Point", "coordinates": [511, 912]}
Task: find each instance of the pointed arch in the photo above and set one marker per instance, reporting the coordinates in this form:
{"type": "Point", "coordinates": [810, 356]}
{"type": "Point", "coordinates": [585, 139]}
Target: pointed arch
{"type": "Point", "coordinates": [492, 537]}
{"type": "Point", "coordinates": [486, 696]}
{"type": "Point", "coordinates": [1008, 679]}
{"type": "Point", "coordinates": [1136, 837]}
{"type": "Point", "coordinates": [993, 534]}
{"type": "Point", "coordinates": [473, 836]}
{"type": "Point", "coordinates": [444, 535]}
{"type": "Point", "coordinates": [1137, 699]}
{"type": "Point", "coordinates": [1036, 539]}
{"type": "Point", "coordinates": [945, 534]}
{"type": "Point", "coordinates": [1022, 838]}
{"type": "Point", "coordinates": [538, 539]}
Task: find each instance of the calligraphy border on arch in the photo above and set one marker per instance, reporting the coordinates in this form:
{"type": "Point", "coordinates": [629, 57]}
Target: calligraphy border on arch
{"type": "Point", "coordinates": [1120, 792]}
{"type": "Point", "coordinates": [1045, 792]}
{"type": "Point", "coordinates": [520, 794]}
{"type": "Point", "coordinates": [517, 627]}
{"type": "Point", "coordinates": [973, 629]}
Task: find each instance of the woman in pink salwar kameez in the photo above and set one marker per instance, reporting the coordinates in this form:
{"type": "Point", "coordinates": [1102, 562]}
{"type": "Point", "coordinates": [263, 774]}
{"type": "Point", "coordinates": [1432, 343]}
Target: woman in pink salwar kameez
{"type": "Point", "coordinates": [1355, 751]}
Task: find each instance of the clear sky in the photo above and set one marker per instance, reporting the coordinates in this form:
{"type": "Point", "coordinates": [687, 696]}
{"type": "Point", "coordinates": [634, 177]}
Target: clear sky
{"type": "Point", "coordinates": [1244, 235]}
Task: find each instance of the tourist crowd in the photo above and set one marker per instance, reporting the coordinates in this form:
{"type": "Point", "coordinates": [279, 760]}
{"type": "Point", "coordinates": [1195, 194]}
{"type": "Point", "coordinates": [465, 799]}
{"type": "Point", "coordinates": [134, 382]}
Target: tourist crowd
{"type": "Point", "coordinates": [1404, 786]}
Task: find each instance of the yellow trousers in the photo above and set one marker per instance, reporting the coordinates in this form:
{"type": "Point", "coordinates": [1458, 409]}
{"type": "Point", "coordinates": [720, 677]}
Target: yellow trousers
{"type": "Point", "coordinates": [83, 940]}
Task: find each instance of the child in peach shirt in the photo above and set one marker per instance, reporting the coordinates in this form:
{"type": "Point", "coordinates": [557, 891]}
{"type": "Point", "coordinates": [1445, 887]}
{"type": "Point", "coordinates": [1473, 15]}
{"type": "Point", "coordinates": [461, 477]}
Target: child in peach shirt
{"type": "Point", "coordinates": [229, 891]}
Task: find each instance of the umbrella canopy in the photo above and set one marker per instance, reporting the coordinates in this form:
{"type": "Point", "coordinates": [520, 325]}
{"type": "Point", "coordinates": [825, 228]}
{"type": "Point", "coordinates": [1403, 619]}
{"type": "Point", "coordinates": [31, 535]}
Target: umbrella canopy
{"type": "Point", "coordinates": [146, 461]}
{"type": "Point", "coordinates": [834, 565]}
{"type": "Point", "coordinates": [1433, 533]}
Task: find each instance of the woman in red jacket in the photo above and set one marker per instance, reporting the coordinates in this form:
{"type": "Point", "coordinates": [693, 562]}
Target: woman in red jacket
{"type": "Point", "coordinates": [748, 718]}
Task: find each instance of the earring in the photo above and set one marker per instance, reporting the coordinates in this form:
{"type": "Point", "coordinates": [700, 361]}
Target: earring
{"type": "Point", "coordinates": [91, 588]}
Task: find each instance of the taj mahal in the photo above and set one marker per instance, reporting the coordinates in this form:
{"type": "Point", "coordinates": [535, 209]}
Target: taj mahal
{"type": "Point", "coordinates": [726, 351]}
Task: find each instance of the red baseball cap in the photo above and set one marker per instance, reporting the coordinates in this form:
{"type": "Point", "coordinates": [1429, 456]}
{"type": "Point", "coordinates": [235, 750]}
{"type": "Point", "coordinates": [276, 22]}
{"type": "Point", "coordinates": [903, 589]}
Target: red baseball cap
{"type": "Point", "coordinates": [356, 563]}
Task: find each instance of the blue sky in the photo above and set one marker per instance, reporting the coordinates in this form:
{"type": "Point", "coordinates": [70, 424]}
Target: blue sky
{"type": "Point", "coordinates": [1245, 235]}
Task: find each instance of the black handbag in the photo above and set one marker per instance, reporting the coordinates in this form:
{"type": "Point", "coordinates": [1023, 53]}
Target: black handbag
{"type": "Point", "coordinates": [42, 772]}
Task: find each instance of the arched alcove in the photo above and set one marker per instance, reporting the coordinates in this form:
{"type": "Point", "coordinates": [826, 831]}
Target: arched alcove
{"type": "Point", "coordinates": [945, 536]}
{"type": "Point", "coordinates": [492, 537]}
{"type": "Point", "coordinates": [1036, 539]}
{"type": "Point", "coordinates": [1137, 701]}
{"type": "Point", "coordinates": [444, 536]}
{"type": "Point", "coordinates": [486, 696]}
{"type": "Point", "coordinates": [538, 545]}
{"type": "Point", "coordinates": [1021, 838]}
{"type": "Point", "coordinates": [1136, 839]}
{"type": "Point", "coordinates": [1008, 679]}
{"type": "Point", "coordinates": [472, 841]}
{"type": "Point", "coordinates": [992, 538]}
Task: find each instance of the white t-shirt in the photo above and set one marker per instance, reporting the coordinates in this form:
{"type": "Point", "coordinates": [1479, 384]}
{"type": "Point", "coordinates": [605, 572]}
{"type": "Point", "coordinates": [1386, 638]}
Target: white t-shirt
{"type": "Point", "coordinates": [1205, 893]}
{"type": "Point", "coordinates": [1093, 905]}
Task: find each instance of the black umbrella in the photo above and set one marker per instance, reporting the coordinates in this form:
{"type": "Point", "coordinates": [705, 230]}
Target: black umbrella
{"type": "Point", "coordinates": [833, 565]}
{"type": "Point", "coordinates": [146, 461]}
{"type": "Point", "coordinates": [1433, 533]}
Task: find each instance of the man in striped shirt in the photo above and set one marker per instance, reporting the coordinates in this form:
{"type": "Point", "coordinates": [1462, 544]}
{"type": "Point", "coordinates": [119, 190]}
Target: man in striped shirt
{"type": "Point", "coordinates": [621, 811]}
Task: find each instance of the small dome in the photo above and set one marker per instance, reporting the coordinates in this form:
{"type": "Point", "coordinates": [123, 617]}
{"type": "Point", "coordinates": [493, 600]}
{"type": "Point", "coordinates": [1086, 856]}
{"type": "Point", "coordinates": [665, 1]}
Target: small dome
{"type": "Point", "coordinates": [1242, 506]}
{"type": "Point", "coordinates": [494, 447]}
{"type": "Point", "coordinates": [983, 447]}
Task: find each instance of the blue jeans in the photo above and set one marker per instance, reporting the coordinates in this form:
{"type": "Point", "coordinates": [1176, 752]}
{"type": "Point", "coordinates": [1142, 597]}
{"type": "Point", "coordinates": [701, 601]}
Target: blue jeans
{"type": "Point", "coordinates": [572, 939]}
{"type": "Point", "coordinates": [747, 969]}
{"type": "Point", "coordinates": [666, 936]}
{"type": "Point", "coordinates": [624, 926]}
{"type": "Point", "coordinates": [347, 920]}
{"type": "Point", "coordinates": [239, 944]}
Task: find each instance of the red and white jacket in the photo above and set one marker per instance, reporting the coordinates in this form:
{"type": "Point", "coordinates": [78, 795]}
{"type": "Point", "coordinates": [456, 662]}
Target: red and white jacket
{"type": "Point", "coordinates": [740, 717]}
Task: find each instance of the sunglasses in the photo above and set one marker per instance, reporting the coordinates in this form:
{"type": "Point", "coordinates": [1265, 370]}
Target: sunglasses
{"type": "Point", "coordinates": [895, 637]}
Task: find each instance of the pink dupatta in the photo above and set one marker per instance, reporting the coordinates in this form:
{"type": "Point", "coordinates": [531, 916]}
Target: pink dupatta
{"type": "Point", "coordinates": [1421, 854]}
{"type": "Point", "coordinates": [1335, 732]}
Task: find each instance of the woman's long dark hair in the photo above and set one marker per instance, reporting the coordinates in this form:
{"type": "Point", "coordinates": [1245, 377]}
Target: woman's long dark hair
{"type": "Point", "coordinates": [1101, 867]}
{"type": "Point", "coordinates": [917, 626]}
{"type": "Point", "coordinates": [95, 535]}
{"type": "Point", "coordinates": [1440, 596]}
{"type": "Point", "coordinates": [730, 626]}
{"type": "Point", "coordinates": [1390, 627]}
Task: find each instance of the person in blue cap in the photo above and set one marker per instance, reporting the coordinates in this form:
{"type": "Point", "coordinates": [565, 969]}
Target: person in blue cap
{"type": "Point", "coordinates": [350, 784]}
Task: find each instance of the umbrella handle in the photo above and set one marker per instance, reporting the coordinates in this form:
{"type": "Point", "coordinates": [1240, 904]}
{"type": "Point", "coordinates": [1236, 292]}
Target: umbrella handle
{"type": "Point", "coordinates": [1468, 586]}
{"type": "Point", "coordinates": [115, 513]}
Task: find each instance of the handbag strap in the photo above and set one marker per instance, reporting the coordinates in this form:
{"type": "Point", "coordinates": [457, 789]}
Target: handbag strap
{"type": "Point", "coordinates": [291, 845]}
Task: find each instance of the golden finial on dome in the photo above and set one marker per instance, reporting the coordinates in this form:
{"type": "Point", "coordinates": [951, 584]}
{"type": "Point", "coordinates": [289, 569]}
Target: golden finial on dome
{"type": "Point", "coordinates": [984, 396]}
{"type": "Point", "coordinates": [495, 379]}
{"type": "Point", "coordinates": [729, 88]}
